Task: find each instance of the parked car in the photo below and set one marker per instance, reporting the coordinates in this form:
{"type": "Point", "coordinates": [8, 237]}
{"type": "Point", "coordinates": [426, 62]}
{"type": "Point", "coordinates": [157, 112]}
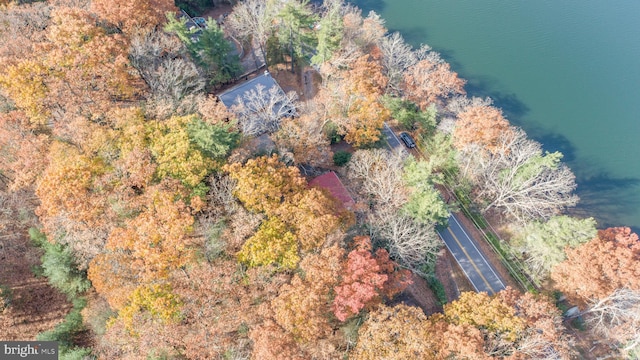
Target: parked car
{"type": "Point", "coordinates": [407, 140]}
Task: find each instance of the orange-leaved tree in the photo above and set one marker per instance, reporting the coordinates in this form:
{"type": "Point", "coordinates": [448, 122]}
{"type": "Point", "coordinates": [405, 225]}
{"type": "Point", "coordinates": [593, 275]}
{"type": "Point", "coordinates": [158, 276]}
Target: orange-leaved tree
{"type": "Point", "coordinates": [594, 270]}
{"type": "Point", "coordinates": [131, 15]}
{"type": "Point", "coordinates": [148, 247]}
{"type": "Point", "coordinates": [430, 81]}
{"type": "Point", "coordinates": [508, 324]}
{"type": "Point", "coordinates": [396, 333]}
{"type": "Point", "coordinates": [354, 101]}
{"type": "Point", "coordinates": [313, 214]}
{"type": "Point", "coordinates": [69, 186]}
{"type": "Point", "coordinates": [81, 70]}
{"type": "Point", "coordinates": [304, 306]}
{"type": "Point", "coordinates": [304, 137]}
{"type": "Point", "coordinates": [23, 152]}
{"type": "Point", "coordinates": [482, 125]}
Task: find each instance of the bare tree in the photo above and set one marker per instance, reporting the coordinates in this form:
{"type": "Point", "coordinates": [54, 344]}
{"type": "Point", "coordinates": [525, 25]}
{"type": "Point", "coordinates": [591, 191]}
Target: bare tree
{"type": "Point", "coordinates": [23, 27]}
{"type": "Point", "coordinates": [220, 197]}
{"type": "Point", "coordinates": [398, 57]}
{"type": "Point", "coordinates": [170, 75]}
{"type": "Point", "coordinates": [260, 110]}
{"type": "Point", "coordinates": [617, 317]}
{"type": "Point", "coordinates": [359, 35]}
{"type": "Point", "coordinates": [252, 21]}
{"type": "Point", "coordinates": [518, 179]}
{"type": "Point", "coordinates": [176, 78]}
{"type": "Point", "coordinates": [461, 103]}
{"type": "Point", "coordinates": [305, 139]}
{"type": "Point", "coordinates": [410, 243]}
{"type": "Point", "coordinates": [377, 175]}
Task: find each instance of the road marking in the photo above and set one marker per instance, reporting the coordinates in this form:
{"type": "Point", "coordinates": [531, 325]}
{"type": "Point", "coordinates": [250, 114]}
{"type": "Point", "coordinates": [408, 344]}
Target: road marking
{"type": "Point", "coordinates": [470, 260]}
{"type": "Point", "coordinates": [482, 256]}
{"type": "Point", "coordinates": [461, 267]}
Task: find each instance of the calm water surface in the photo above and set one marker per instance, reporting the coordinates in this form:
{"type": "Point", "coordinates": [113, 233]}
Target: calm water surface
{"type": "Point", "coordinates": [567, 71]}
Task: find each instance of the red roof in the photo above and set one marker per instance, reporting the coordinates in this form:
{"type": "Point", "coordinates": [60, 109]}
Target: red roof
{"type": "Point", "coordinates": [332, 183]}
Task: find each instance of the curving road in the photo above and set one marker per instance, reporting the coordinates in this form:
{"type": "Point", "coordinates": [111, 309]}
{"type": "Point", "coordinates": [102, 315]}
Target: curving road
{"type": "Point", "coordinates": [461, 245]}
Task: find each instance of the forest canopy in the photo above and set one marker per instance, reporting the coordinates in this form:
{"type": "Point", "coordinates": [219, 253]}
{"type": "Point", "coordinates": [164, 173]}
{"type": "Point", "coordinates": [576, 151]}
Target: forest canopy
{"type": "Point", "coordinates": [170, 226]}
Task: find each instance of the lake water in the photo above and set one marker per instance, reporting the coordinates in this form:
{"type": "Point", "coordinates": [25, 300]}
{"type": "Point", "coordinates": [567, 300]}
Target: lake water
{"type": "Point", "coordinates": [567, 71]}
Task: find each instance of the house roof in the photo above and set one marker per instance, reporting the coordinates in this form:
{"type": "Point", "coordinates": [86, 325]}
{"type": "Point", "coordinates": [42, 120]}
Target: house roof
{"type": "Point", "coordinates": [332, 183]}
{"type": "Point", "coordinates": [229, 97]}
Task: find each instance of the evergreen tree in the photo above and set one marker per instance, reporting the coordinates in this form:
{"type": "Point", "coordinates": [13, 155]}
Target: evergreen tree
{"type": "Point", "coordinates": [214, 140]}
{"type": "Point", "coordinates": [296, 33]}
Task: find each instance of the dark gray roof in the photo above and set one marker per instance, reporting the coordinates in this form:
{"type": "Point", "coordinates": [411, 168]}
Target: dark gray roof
{"type": "Point", "coordinates": [229, 97]}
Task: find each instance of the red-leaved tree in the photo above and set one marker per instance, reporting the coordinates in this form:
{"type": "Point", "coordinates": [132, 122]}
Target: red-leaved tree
{"type": "Point", "coordinates": [367, 278]}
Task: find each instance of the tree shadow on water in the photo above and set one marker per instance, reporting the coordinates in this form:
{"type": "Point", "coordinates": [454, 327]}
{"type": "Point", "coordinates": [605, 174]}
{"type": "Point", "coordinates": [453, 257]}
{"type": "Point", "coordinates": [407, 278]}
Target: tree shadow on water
{"type": "Point", "coordinates": [477, 85]}
{"type": "Point", "coordinates": [608, 199]}
{"type": "Point", "coordinates": [553, 142]}
{"type": "Point", "coordinates": [414, 36]}
{"type": "Point", "coordinates": [369, 5]}
{"type": "Point", "coordinates": [482, 86]}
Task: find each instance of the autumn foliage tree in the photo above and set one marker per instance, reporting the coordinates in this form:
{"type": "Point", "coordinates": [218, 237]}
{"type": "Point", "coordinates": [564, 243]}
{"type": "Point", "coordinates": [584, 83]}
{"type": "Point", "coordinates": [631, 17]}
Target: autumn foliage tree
{"type": "Point", "coordinates": [271, 244]}
{"type": "Point", "coordinates": [366, 280]}
{"type": "Point", "coordinates": [430, 81]}
{"type": "Point", "coordinates": [355, 101]}
{"type": "Point", "coordinates": [303, 307]}
{"type": "Point", "coordinates": [131, 15]}
{"type": "Point", "coordinates": [23, 151]}
{"type": "Point", "coordinates": [271, 341]}
{"type": "Point", "coordinates": [480, 310]}
{"type": "Point", "coordinates": [157, 300]}
{"type": "Point", "coordinates": [69, 187]}
{"type": "Point", "coordinates": [176, 151]}
{"type": "Point", "coordinates": [399, 332]}
{"type": "Point", "coordinates": [597, 268]}
{"type": "Point", "coordinates": [476, 326]}
{"type": "Point", "coordinates": [304, 138]}
{"type": "Point", "coordinates": [481, 125]}
{"type": "Point", "coordinates": [299, 218]}
{"type": "Point", "coordinates": [81, 71]}
{"type": "Point", "coordinates": [148, 247]}
{"type": "Point", "coordinates": [511, 324]}
{"type": "Point", "coordinates": [264, 182]}
{"type": "Point", "coordinates": [313, 215]}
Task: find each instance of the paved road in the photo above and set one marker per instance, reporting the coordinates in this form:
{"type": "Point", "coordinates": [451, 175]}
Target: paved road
{"type": "Point", "coordinates": [462, 246]}
{"type": "Point", "coordinates": [480, 272]}
{"type": "Point", "coordinates": [392, 139]}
